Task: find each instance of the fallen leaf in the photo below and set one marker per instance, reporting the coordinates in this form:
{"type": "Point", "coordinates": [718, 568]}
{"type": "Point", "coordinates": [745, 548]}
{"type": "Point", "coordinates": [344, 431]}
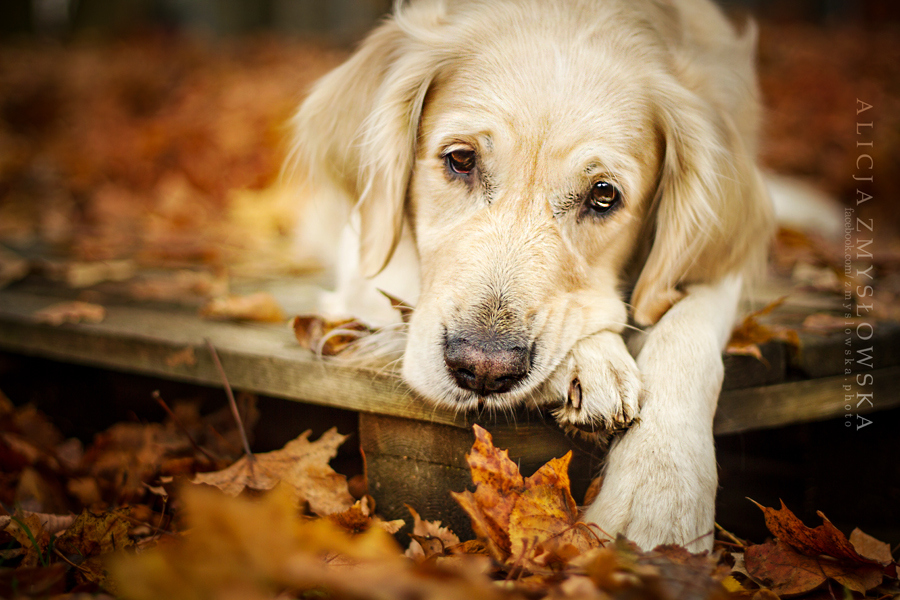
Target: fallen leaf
{"type": "Point", "coordinates": [823, 551]}
{"type": "Point", "coordinates": [429, 538]}
{"type": "Point", "coordinates": [402, 307]}
{"type": "Point", "coordinates": [28, 530]}
{"type": "Point", "coordinates": [498, 484]}
{"type": "Point", "coordinates": [544, 530]}
{"type": "Point", "coordinates": [530, 522]}
{"type": "Point", "coordinates": [787, 572]}
{"type": "Point", "coordinates": [746, 337]}
{"type": "Point", "coordinates": [253, 547]}
{"type": "Point", "coordinates": [301, 464]}
{"type": "Point", "coordinates": [324, 337]}
{"type": "Point", "coordinates": [870, 547]}
{"type": "Point", "coordinates": [71, 312]}
{"type": "Point", "coordinates": [95, 534]}
{"type": "Point", "coordinates": [359, 518]}
{"type": "Point", "coordinates": [825, 539]}
{"type": "Point", "coordinates": [260, 306]}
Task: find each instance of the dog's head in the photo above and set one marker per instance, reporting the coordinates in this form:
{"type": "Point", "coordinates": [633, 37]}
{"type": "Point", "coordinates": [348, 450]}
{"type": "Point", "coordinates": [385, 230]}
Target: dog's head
{"type": "Point", "coordinates": [547, 158]}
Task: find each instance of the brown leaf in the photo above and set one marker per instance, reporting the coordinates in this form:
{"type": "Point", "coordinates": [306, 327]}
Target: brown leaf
{"type": "Point", "coordinates": [870, 547]}
{"type": "Point", "coordinates": [324, 337]}
{"type": "Point", "coordinates": [402, 307]}
{"type": "Point", "coordinates": [28, 530]}
{"type": "Point", "coordinates": [498, 484]}
{"type": "Point", "coordinates": [543, 526]}
{"type": "Point", "coordinates": [788, 572]}
{"type": "Point", "coordinates": [95, 534]}
{"type": "Point", "coordinates": [301, 464]}
{"type": "Point", "coordinates": [825, 539]}
{"type": "Point", "coordinates": [778, 566]}
{"type": "Point", "coordinates": [252, 548]}
{"type": "Point", "coordinates": [429, 538]}
{"type": "Point", "coordinates": [530, 523]}
{"type": "Point", "coordinates": [831, 553]}
{"type": "Point", "coordinates": [260, 306]}
{"type": "Point", "coordinates": [71, 312]}
{"type": "Point", "coordinates": [746, 337]}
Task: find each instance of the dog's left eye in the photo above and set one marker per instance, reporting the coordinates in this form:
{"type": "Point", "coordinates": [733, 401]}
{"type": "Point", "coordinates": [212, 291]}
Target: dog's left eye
{"type": "Point", "coordinates": [460, 162]}
{"type": "Point", "coordinates": [603, 197]}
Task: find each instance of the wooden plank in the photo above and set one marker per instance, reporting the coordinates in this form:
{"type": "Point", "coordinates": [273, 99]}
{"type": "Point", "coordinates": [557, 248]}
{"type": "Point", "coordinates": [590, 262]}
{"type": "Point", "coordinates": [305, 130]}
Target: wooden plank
{"type": "Point", "coordinates": [823, 355]}
{"type": "Point", "coordinates": [267, 360]}
{"type": "Point", "coordinates": [806, 400]}
{"type": "Point", "coordinates": [258, 358]}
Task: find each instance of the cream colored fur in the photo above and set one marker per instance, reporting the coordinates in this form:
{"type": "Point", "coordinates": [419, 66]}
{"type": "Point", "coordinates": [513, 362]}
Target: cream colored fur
{"type": "Point", "coordinates": [656, 97]}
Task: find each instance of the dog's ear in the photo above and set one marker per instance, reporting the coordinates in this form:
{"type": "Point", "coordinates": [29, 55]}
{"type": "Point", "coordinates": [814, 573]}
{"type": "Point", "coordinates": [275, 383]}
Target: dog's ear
{"type": "Point", "coordinates": [356, 131]}
{"type": "Point", "coordinates": [711, 216]}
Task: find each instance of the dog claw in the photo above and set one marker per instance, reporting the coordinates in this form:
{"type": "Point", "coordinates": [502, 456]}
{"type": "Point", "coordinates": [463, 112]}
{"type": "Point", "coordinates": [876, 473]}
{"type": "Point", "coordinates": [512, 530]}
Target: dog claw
{"type": "Point", "coordinates": [574, 397]}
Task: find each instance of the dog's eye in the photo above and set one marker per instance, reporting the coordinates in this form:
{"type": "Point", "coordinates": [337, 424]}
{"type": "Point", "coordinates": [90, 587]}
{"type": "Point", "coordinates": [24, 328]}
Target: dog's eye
{"type": "Point", "coordinates": [461, 162]}
{"type": "Point", "coordinates": [603, 197]}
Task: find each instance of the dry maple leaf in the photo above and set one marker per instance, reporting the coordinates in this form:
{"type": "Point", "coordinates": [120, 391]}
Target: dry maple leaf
{"type": "Point", "coordinates": [498, 484]}
{"type": "Point", "coordinates": [429, 538]}
{"type": "Point", "coordinates": [531, 522]}
{"type": "Point", "coordinates": [802, 558]}
{"type": "Point", "coordinates": [825, 539]}
{"type": "Point", "coordinates": [301, 464]}
{"type": "Point", "coordinates": [28, 530]}
{"type": "Point", "coordinates": [326, 337]}
{"type": "Point", "coordinates": [746, 337]}
{"type": "Point", "coordinates": [360, 518]}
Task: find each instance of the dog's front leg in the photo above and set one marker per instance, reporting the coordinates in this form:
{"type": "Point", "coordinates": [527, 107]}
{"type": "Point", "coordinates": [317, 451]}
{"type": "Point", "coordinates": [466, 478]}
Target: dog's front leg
{"type": "Point", "coordinates": [660, 480]}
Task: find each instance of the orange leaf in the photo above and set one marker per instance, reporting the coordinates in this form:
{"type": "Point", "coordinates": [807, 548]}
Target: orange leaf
{"type": "Point", "coordinates": [746, 337]}
{"type": "Point", "coordinates": [529, 522]}
{"type": "Point", "coordinates": [778, 566]}
{"type": "Point", "coordinates": [301, 464]}
{"type": "Point", "coordinates": [325, 337]}
{"type": "Point", "coordinates": [498, 484]}
{"type": "Point", "coordinates": [825, 539]}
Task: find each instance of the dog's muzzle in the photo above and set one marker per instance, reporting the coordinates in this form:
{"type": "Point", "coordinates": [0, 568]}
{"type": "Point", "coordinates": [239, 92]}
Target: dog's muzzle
{"type": "Point", "coordinates": [486, 364]}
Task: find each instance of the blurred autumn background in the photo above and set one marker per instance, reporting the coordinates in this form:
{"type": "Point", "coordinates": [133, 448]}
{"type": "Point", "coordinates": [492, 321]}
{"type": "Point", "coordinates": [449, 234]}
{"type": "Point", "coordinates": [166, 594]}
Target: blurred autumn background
{"type": "Point", "coordinates": [153, 132]}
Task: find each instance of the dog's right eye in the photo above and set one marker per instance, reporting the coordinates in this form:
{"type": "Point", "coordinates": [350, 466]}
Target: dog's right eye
{"type": "Point", "coordinates": [460, 162]}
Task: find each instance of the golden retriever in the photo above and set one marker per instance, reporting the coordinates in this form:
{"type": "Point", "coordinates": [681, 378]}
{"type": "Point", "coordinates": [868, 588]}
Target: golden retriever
{"type": "Point", "coordinates": [530, 174]}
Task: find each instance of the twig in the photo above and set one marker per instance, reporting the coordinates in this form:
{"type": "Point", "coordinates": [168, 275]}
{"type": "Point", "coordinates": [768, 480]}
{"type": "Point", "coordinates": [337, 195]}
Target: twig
{"type": "Point", "coordinates": [63, 556]}
{"type": "Point", "coordinates": [738, 541]}
{"type": "Point", "coordinates": [231, 402]}
{"type": "Point", "coordinates": [156, 396]}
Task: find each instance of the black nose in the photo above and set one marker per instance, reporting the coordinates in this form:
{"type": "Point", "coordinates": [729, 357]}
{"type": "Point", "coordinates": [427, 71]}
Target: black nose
{"type": "Point", "coordinates": [486, 367]}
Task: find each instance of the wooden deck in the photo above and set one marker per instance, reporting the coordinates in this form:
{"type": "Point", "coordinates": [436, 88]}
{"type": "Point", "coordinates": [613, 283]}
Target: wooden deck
{"type": "Point", "coordinates": [415, 452]}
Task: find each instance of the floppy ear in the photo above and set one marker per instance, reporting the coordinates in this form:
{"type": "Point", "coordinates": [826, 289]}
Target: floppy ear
{"type": "Point", "coordinates": [712, 215]}
{"type": "Point", "coordinates": [356, 131]}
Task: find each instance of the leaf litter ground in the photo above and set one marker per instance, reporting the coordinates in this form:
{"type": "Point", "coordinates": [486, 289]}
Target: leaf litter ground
{"type": "Point", "coordinates": [156, 516]}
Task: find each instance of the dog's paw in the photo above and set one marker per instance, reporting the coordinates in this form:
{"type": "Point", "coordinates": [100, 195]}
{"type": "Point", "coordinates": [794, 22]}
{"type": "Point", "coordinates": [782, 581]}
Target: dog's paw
{"type": "Point", "coordinates": [602, 387]}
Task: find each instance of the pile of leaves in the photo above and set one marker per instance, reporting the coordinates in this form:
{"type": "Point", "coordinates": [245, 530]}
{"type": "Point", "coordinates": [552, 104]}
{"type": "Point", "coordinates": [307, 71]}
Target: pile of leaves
{"type": "Point", "coordinates": [161, 149]}
{"type": "Point", "coordinates": [155, 511]}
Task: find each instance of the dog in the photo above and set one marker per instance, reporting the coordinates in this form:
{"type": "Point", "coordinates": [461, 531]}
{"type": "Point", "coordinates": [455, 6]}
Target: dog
{"type": "Point", "coordinates": [539, 178]}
